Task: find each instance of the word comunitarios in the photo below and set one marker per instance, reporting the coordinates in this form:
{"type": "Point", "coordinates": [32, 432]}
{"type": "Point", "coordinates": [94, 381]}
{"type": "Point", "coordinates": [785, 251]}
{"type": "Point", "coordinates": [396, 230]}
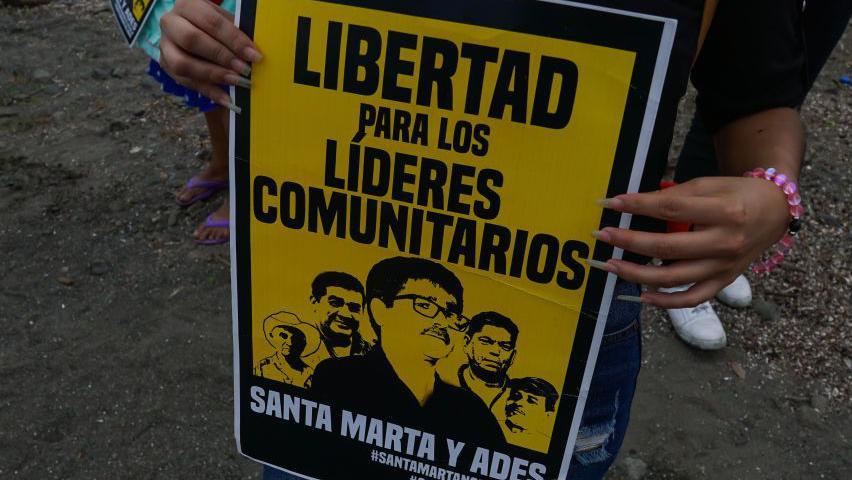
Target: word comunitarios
{"type": "Point", "coordinates": [420, 206]}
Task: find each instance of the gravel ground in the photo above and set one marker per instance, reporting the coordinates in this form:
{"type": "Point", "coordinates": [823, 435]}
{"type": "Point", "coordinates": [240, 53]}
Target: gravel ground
{"type": "Point", "coordinates": [116, 353]}
{"type": "Point", "coordinates": [801, 320]}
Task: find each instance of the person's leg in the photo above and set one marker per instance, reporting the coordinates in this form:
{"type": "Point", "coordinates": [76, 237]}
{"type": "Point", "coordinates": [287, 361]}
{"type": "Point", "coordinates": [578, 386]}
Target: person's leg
{"type": "Point", "coordinates": [698, 156]}
{"type": "Point", "coordinates": [607, 410]}
{"type": "Point", "coordinates": [211, 229]}
{"type": "Point", "coordinates": [214, 229]}
{"type": "Point", "coordinates": [699, 326]}
{"type": "Point", "coordinates": [217, 169]}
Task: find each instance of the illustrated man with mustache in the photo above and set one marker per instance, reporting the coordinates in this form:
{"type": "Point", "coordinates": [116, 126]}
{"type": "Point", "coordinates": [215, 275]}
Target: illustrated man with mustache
{"type": "Point", "coordinates": [337, 299]}
{"type": "Point", "coordinates": [412, 302]}
{"type": "Point", "coordinates": [490, 345]}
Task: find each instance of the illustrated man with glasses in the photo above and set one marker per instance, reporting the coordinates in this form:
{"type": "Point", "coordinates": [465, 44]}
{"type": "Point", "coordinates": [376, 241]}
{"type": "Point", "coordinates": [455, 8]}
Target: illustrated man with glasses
{"type": "Point", "coordinates": [412, 303]}
{"type": "Point", "coordinates": [338, 304]}
{"type": "Point", "coordinates": [490, 345]}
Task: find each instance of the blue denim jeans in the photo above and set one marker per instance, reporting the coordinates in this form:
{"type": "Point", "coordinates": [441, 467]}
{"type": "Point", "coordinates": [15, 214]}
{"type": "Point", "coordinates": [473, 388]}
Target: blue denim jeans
{"type": "Point", "coordinates": [607, 409]}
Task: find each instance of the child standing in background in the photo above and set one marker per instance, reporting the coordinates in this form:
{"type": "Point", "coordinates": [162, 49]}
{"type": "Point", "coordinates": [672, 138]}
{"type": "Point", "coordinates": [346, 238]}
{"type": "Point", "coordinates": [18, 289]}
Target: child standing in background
{"type": "Point", "coordinates": [215, 228]}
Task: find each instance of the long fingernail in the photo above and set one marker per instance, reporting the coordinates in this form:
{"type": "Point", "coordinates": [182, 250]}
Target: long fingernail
{"type": "Point", "coordinates": [605, 266]}
{"type": "Point", "coordinates": [233, 107]}
{"type": "Point", "coordinates": [241, 67]}
{"type": "Point", "coordinates": [602, 235]}
{"type": "Point", "coordinates": [252, 55]}
{"type": "Point", "coordinates": [238, 81]}
{"type": "Point", "coordinates": [629, 298]}
{"type": "Point", "coordinates": [613, 203]}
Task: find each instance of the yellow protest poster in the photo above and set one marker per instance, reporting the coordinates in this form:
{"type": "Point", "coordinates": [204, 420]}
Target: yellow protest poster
{"type": "Point", "coordinates": [414, 196]}
{"type": "Point", "coordinates": [131, 15]}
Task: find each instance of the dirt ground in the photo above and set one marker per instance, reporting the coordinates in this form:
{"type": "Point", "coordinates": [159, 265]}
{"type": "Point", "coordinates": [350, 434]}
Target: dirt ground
{"type": "Point", "coordinates": [115, 355]}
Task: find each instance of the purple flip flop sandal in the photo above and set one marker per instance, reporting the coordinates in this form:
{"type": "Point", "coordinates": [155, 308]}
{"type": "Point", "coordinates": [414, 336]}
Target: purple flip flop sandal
{"type": "Point", "coordinates": [209, 222]}
{"type": "Point", "coordinates": [210, 187]}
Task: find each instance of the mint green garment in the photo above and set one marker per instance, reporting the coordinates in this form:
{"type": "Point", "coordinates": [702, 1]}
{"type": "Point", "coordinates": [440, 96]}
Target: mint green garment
{"type": "Point", "coordinates": [149, 37]}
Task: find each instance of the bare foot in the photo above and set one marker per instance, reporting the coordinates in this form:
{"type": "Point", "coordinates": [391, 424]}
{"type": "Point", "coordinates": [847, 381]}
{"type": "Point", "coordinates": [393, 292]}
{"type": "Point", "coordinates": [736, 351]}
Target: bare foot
{"type": "Point", "coordinates": [217, 169]}
{"type": "Point", "coordinates": [209, 174]}
{"type": "Point", "coordinates": [208, 233]}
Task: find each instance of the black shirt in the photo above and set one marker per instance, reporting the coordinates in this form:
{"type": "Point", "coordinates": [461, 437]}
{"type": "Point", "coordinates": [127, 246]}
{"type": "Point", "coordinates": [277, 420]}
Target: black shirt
{"type": "Point", "coordinates": [369, 385]}
{"type": "Point", "coordinates": [502, 388]}
{"type": "Point", "coordinates": [763, 54]}
{"type": "Point", "coordinates": [758, 55]}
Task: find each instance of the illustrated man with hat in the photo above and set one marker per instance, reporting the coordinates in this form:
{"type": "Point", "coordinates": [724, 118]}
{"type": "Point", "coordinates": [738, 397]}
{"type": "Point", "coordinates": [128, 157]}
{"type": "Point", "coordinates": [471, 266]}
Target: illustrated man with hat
{"type": "Point", "coordinates": [292, 340]}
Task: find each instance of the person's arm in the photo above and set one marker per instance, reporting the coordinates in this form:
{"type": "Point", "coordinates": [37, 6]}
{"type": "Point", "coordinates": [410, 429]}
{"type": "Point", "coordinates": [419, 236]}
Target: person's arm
{"type": "Point", "coordinates": [201, 48]}
{"type": "Point", "coordinates": [773, 138]}
{"type": "Point", "coordinates": [749, 77]}
{"type": "Point", "coordinates": [736, 219]}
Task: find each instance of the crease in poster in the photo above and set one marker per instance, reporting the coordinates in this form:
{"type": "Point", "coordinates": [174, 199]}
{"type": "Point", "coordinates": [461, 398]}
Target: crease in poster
{"type": "Point", "coordinates": [414, 197]}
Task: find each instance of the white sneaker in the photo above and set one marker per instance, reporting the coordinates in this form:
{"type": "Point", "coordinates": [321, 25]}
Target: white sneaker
{"type": "Point", "coordinates": [737, 294]}
{"type": "Point", "coordinates": [698, 326]}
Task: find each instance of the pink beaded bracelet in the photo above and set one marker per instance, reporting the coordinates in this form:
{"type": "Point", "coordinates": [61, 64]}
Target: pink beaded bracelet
{"type": "Point", "coordinates": [791, 190]}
